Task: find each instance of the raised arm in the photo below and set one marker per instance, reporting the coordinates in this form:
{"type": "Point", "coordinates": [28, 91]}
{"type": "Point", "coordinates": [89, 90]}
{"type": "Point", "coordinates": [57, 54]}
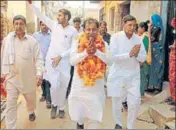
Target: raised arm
{"type": "Point", "coordinates": [50, 23]}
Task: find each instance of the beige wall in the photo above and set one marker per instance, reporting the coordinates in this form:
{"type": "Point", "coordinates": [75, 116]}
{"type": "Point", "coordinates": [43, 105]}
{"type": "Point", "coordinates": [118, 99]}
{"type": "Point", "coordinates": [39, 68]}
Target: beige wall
{"type": "Point", "coordinates": [94, 13]}
{"type": "Point", "coordinates": [22, 7]}
{"type": "Point", "coordinates": [142, 10]}
{"type": "Point", "coordinates": [117, 21]}
{"type": "Point", "coordinates": [108, 6]}
{"type": "Point", "coordinates": [15, 8]}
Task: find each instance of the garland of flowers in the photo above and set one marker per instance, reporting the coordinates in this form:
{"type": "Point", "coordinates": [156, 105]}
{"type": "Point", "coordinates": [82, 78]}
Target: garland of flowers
{"type": "Point", "coordinates": [91, 68]}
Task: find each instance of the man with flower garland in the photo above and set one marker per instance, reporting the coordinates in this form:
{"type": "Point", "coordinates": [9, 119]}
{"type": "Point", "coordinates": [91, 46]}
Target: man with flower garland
{"type": "Point", "coordinates": [89, 56]}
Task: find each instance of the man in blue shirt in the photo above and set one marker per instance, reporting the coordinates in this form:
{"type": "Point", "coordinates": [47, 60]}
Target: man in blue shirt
{"type": "Point", "coordinates": [44, 38]}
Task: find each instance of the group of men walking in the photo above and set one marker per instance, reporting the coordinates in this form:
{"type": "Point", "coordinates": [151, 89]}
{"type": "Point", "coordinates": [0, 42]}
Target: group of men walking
{"type": "Point", "coordinates": [48, 56]}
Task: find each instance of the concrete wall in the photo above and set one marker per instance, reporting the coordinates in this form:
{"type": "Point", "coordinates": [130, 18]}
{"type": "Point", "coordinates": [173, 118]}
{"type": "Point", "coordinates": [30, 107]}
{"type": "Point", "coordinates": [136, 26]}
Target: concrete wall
{"type": "Point", "coordinates": [15, 8]}
{"type": "Point", "coordinates": [93, 13]}
{"type": "Point", "coordinates": [142, 10]}
{"type": "Point", "coordinates": [22, 7]}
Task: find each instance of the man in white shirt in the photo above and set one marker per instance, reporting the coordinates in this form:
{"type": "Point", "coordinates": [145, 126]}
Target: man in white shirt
{"type": "Point", "coordinates": [127, 50]}
{"type": "Point", "coordinates": [85, 100]}
{"type": "Point", "coordinates": [22, 65]}
{"type": "Point", "coordinates": [57, 59]}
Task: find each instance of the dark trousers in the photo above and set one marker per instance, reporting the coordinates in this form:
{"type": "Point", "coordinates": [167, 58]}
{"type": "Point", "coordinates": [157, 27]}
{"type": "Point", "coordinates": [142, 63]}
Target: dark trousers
{"type": "Point", "coordinates": [70, 82]}
{"type": "Point", "coordinates": [46, 90]}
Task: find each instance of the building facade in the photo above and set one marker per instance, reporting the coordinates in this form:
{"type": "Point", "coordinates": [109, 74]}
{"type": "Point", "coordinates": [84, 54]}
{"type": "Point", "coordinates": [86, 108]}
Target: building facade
{"type": "Point", "coordinates": [114, 11]}
{"type": "Point", "coordinates": [11, 8]}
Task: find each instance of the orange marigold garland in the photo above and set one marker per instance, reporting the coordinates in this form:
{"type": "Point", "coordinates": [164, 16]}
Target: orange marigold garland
{"type": "Point", "coordinates": [91, 68]}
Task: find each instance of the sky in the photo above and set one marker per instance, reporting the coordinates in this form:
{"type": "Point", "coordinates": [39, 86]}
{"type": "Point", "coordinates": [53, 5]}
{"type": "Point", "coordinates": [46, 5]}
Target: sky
{"type": "Point", "coordinates": [80, 3]}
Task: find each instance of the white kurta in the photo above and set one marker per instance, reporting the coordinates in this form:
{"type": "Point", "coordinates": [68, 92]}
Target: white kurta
{"type": "Point", "coordinates": [124, 76]}
{"type": "Point", "coordinates": [61, 39]}
{"type": "Point", "coordinates": [124, 69]}
{"type": "Point", "coordinates": [86, 101]}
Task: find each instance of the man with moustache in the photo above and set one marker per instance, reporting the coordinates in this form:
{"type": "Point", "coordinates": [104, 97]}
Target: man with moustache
{"type": "Point", "coordinates": [22, 65]}
{"type": "Point", "coordinates": [89, 56]}
{"type": "Point", "coordinates": [127, 51]}
{"type": "Point", "coordinates": [57, 59]}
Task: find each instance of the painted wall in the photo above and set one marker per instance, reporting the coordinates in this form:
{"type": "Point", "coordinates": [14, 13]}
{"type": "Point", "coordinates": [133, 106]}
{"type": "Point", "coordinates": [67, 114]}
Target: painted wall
{"type": "Point", "coordinates": [15, 8]}
{"type": "Point", "coordinates": [94, 13]}
{"type": "Point", "coordinates": [142, 10]}
{"type": "Point", "coordinates": [108, 6]}
{"type": "Point", "coordinates": [22, 7]}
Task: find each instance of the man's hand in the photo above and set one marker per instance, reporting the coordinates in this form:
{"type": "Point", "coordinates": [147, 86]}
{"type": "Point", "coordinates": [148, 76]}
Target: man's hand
{"type": "Point", "coordinates": [30, 1]}
{"type": "Point", "coordinates": [39, 81]}
{"type": "Point", "coordinates": [56, 61]}
{"type": "Point", "coordinates": [91, 49]}
{"type": "Point", "coordinates": [135, 50]}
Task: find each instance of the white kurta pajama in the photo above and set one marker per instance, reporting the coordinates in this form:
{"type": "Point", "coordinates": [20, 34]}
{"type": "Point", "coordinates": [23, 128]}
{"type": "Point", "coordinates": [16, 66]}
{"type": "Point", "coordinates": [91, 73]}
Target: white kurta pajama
{"type": "Point", "coordinates": [61, 39]}
{"type": "Point", "coordinates": [124, 76]}
{"type": "Point", "coordinates": [86, 101]}
{"type": "Point", "coordinates": [21, 75]}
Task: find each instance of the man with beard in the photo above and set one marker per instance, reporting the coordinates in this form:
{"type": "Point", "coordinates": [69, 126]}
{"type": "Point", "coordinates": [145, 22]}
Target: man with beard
{"type": "Point", "coordinates": [57, 59]}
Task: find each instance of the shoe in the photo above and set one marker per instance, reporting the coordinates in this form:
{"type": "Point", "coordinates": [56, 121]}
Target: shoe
{"type": "Point", "coordinates": [61, 114]}
{"type": "Point", "coordinates": [53, 112]}
{"type": "Point", "coordinates": [125, 105]}
{"type": "Point", "coordinates": [48, 105]}
{"type": "Point", "coordinates": [42, 99]}
{"type": "Point", "coordinates": [80, 126]}
{"type": "Point", "coordinates": [32, 117]}
{"type": "Point", "coordinates": [118, 126]}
